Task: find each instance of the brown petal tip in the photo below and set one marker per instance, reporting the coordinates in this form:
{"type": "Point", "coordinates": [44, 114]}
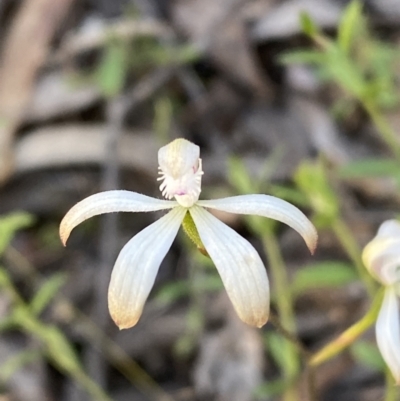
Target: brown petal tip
{"type": "Point", "coordinates": [64, 231]}
{"type": "Point", "coordinates": [312, 241]}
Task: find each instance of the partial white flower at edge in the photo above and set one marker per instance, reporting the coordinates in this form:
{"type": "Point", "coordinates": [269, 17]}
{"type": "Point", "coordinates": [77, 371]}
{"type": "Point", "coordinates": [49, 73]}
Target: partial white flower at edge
{"type": "Point", "coordinates": [381, 257]}
{"type": "Point", "coordinates": [238, 263]}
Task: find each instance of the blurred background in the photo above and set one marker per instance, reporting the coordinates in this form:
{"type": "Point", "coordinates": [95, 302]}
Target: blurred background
{"type": "Point", "coordinates": [297, 99]}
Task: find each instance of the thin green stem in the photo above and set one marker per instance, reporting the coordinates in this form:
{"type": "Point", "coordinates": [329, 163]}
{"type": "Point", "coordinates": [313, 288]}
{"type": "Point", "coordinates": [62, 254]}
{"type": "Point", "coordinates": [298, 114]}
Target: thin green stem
{"type": "Point", "coordinates": [117, 357]}
{"type": "Point", "coordinates": [274, 320]}
{"type": "Point", "coordinates": [350, 245]}
{"type": "Point", "coordinates": [383, 127]}
{"type": "Point", "coordinates": [284, 304]}
{"type": "Point", "coordinates": [310, 371]}
{"type": "Point", "coordinates": [351, 334]}
{"type": "Point", "coordinates": [59, 350]}
{"type": "Point", "coordinates": [90, 386]}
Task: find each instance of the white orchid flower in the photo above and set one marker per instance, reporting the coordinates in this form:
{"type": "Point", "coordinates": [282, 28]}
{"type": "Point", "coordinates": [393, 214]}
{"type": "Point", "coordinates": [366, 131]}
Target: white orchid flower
{"type": "Point", "coordinates": [381, 256]}
{"type": "Point", "coordinates": [238, 263]}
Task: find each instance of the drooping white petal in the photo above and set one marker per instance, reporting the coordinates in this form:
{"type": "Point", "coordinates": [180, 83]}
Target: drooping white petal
{"type": "Point", "coordinates": [239, 265]}
{"type": "Point", "coordinates": [388, 332]}
{"type": "Point", "coordinates": [136, 268]}
{"type": "Point", "coordinates": [109, 202]}
{"type": "Point", "coordinates": [271, 207]}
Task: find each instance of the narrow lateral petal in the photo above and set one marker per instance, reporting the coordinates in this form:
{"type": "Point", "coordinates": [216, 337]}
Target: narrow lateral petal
{"type": "Point", "coordinates": [388, 332]}
{"type": "Point", "coordinates": [136, 268]}
{"type": "Point", "coordinates": [239, 265]}
{"type": "Point", "coordinates": [109, 202]}
{"type": "Point", "coordinates": [271, 207]}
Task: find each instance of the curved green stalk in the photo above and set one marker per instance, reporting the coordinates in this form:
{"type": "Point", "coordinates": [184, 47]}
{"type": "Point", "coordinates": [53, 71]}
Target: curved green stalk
{"type": "Point", "coordinates": [383, 127]}
{"type": "Point", "coordinates": [351, 334]}
{"type": "Point", "coordinates": [346, 238]}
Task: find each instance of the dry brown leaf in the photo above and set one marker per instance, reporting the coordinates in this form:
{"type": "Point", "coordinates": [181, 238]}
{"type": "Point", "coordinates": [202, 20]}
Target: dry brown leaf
{"type": "Point", "coordinates": [24, 52]}
{"type": "Point", "coordinates": [218, 29]}
{"type": "Point", "coordinates": [69, 145]}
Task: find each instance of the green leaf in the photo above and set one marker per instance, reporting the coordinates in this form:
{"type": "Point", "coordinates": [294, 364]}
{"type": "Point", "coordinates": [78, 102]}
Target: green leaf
{"type": "Point", "coordinates": [275, 344]}
{"type": "Point", "coordinates": [60, 349]}
{"type": "Point", "coordinates": [8, 288]}
{"type": "Point", "coordinates": [163, 117]}
{"type": "Point", "coordinates": [373, 167]}
{"type": "Point", "coordinates": [312, 180]}
{"type": "Point", "coordinates": [17, 362]}
{"type": "Point", "coordinates": [7, 323]}
{"type": "Point", "coordinates": [171, 292]}
{"type": "Point", "coordinates": [303, 57]}
{"type": "Point", "coordinates": [291, 195]}
{"type": "Point", "coordinates": [350, 22]}
{"type": "Point", "coordinates": [10, 224]}
{"type": "Point", "coordinates": [111, 73]}
{"type": "Point", "coordinates": [209, 283]}
{"type": "Point", "coordinates": [322, 275]}
{"type": "Point", "coordinates": [270, 389]}
{"type": "Point", "coordinates": [239, 177]}
{"type": "Point", "coordinates": [47, 292]}
{"type": "Point", "coordinates": [260, 225]}
{"type": "Point", "coordinates": [178, 55]}
{"type": "Point", "coordinates": [307, 25]}
{"type": "Point", "coordinates": [185, 345]}
{"type": "Point", "coordinates": [368, 354]}
{"type": "Point", "coordinates": [343, 108]}
{"type": "Point", "coordinates": [5, 280]}
{"type": "Point", "coordinates": [344, 70]}
{"type": "Point", "coordinates": [246, 183]}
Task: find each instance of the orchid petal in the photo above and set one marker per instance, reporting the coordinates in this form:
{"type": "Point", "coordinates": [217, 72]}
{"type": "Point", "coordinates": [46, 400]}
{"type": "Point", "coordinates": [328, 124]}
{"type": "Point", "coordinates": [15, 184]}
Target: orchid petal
{"type": "Point", "coordinates": [136, 268]}
{"type": "Point", "coordinates": [389, 228]}
{"type": "Point", "coordinates": [109, 202]}
{"type": "Point", "coordinates": [388, 332]}
{"type": "Point", "coordinates": [381, 256]}
{"type": "Point", "coordinates": [239, 265]}
{"type": "Point", "coordinates": [268, 206]}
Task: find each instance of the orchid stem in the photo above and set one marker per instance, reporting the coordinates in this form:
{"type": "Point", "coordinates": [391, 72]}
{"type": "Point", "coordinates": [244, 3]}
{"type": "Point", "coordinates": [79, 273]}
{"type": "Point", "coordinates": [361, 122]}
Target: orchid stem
{"type": "Point", "coordinates": [310, 370]}
{"type": "Point", "coordinates": [274, 320]}
{"type": "Point", "coordinates": [346, 238]}
{"type": "Point", "coordinates": [57, 347]}
{"type": "Point", "coordinates": [284, 304]}
{"type": "Point", "coordinates": [351, 334]}
{"type": "Point", "coordinates": [383, 127]}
